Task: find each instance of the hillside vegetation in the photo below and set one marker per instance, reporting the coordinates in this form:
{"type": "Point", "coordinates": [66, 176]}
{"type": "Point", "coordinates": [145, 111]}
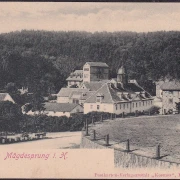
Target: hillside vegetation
{"type": "Point", "coordinates": [44, 59]}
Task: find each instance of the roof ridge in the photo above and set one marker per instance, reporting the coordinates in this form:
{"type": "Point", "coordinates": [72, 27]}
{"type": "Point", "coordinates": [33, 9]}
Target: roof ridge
{"type": "Point", "coordinates": [95, 92]}
{"type": "Point", "coordinates": [109, 92]}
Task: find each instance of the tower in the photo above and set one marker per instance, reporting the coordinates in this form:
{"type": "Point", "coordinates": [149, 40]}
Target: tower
{"type": "Point", "coordinates": [121, 76]}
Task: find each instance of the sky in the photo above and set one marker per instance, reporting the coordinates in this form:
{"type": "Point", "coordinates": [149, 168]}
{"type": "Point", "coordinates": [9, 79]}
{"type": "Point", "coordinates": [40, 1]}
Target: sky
{"type": "Point", "coordinates": [91, 17]}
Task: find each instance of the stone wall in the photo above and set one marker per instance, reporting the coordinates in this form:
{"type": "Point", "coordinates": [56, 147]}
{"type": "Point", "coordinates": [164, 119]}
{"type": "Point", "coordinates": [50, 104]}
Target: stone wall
{"type": "Point", "coordinates": [127, 159]}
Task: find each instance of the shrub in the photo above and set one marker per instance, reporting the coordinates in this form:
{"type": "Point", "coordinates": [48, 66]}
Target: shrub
{"type": "Point", "coordinates": [52, 97]}
{"type": "Point", "coordinates": [154, 110]}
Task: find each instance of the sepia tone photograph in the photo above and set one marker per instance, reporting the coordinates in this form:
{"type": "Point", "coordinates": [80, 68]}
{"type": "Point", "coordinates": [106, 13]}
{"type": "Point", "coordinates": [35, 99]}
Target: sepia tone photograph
{"type": "Point", "coordinates": [90, 86]}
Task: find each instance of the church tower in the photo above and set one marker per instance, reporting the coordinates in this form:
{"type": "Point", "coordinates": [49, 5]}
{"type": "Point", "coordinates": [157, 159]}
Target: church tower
{"type": "Point", "coordinates": [121, 76]}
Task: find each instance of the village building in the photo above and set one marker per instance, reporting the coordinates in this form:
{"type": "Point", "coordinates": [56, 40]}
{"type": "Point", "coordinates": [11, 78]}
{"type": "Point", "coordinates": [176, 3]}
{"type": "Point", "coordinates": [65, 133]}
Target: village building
{"type": "Point", "coordinates": [97, 92]}
{"type": "Point", "coordinates": [158, 87]}
{"type": "Point", "coordinates": [62, 109]}
{"type": "Point", "coordinates": [59, 109]}
{"type": "Point", "coordinates": [75, 78]}
{"type": "Point", "coordinates": [95, 71]}
{"type": "Point", "coordinates": [6, 97]}
{"type": "Point", "coordinates": [73, 95]}
{"type": "Point", "coordinates": [119, 96]}
{"type": "Point", "coordinates": [170, 96]}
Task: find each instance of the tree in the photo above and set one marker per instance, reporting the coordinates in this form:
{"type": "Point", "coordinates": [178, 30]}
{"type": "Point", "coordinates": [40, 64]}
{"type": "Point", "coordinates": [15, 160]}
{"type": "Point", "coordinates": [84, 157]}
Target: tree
{"type": "Point", "coordinates": [37, 102]}
{"type": "Point", "coordinates": [10, 116]}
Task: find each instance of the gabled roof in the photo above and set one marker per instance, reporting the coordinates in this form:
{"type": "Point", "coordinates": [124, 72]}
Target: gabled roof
{"type": "Point", "coordinates": [60, 107]}
{"type": "Point", "coordinates": [113, 94]}
{"type": "Point", "coordinates": [103, 90]}
{"type": "Point", "coordinates": [133, 87]}
{"type": "Point", "coordinates": [81, 95]}
{"type": "Point", "coordinates": [78, 71]}
{"type": "Point", "coordinates": [77, 75]}
{"type": "Point", "coordinates": [97, 64]}
{"type": "Point", "coordinates": [93, 86]}
{"type": "Point", "coordinates": [2, 96]}
{"type": "Point", "coordinates": [66, 92]}
{"type": "Point", "coordinates": [172, 85]}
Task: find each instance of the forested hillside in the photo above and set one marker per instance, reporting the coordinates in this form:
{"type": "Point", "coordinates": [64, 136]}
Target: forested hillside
{"type": "Point", "coordinates": [41, 59]}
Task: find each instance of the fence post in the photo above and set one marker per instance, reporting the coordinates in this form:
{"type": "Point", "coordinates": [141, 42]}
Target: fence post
{"type": "Point", "coordinates": [92, 120]}
{"type": "Point", "coordinates": [94, 134]}
{"type": "Point", "coordinates": [87, 128]}
{"type": "Point", "coordinates": [107, 140]}
{"type": "Point", "coordinates": [136, 113]}
{"type": "Point", "coordinates": [122, 114]}
{"type": "Point", "coordinates": [115, 116]}
{"type": "Point", "coordinates": [101, 118]}
{"type": "Point", "coordinates": [158, 151]}
{"type": "Point", "coordinates": [84, 125]}
{"type": "Point", "coordinates": [127, 146]}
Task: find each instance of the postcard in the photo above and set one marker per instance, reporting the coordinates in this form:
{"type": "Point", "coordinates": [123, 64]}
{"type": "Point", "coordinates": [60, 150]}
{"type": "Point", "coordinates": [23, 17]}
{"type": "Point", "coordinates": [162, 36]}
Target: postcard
{"type": "Point", "coordinates": [89, 90]}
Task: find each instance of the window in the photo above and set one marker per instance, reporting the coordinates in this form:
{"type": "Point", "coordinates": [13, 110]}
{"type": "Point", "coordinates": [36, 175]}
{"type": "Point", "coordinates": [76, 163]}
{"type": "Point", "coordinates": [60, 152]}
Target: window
{"type": "Point", "coordinates": [170, 101]}
{"type": "Point", "coordinates": [146, 103]}
{"type": "Point", "coordinates": [136, 104]}
{"type": "Point", "coordinates": [127, 105]}
{"type": "Point", "coordinates": [75, 101]}
{"type": "Point", "coordinates": [123, 106]}
{"type": "Point", "coordinates": [98, 99]}
{"type": "Point", "coordinates": [98, 107]}
{"type": "Point", "coordinates": [91, 106]}
{"type": "Point", "coordinates": [119, 106]}
{"type": "Point", "coordinates": [139, 104]}
{"type": "Point", "coordinates": [170, 92]}
{"type": "Point", "coordinates": [86, 69]}
{"type": "Point", "coordinates": [133, 105]}
{"type": "Point", "coordinates": [143, 103]}
{"type": "Point", "coordinates": [86, 76]}
{"type": "Point", "coordinates": [116, 106]}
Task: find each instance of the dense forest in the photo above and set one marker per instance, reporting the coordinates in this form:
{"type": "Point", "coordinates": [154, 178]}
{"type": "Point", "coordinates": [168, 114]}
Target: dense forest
{"type": "Point", "coordinates": [43, 60]}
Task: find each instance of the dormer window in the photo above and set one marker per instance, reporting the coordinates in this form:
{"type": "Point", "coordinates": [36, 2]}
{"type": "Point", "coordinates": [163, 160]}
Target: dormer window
{"type": "Point", "coordinates": [129, 96]}
{"type": "Point", "coordinates": [99, 97]}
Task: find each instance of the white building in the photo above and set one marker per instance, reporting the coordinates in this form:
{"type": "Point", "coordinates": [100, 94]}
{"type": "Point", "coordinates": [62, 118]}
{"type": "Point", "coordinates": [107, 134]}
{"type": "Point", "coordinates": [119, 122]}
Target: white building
{"type": "Point", "coordinates": [59, 109]}
{"type": "Point", "coordinates": [73, 95]}
{"type": "Point", "coordinates": [170, 96]}
{"type": "Point", "coordinates": [119, 96]}
{"type": "Point", "coordinates": [75, 78]}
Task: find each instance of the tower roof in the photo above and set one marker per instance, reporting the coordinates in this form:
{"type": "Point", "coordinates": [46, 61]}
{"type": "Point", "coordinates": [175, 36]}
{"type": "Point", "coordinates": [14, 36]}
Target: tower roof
{"type": "Point", "coordinates": [121, 70]}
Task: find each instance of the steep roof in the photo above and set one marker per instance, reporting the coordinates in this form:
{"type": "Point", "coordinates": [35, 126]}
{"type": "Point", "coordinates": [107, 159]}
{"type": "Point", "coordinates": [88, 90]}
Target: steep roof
{"type": "Point", "coordinates": [93, 86]}
{"type": "Point", "coordinates": [66, 92]}
{"type": "Point", "coordinates": [2, 96]}
{"type": "Point", "coordinates": [78, 71]}
{"type": "Point", "coordinates": [81, 95]}
{"type": "Point", "coordinates": [60, 107]}
{"type": "Point", "coordinates": [97, 64]}
{"type": "Point", "coordinates": [103, 90]}
{"type": "Point", "coordinates": [133, 87]}
{"type": "Point", "coordinates": [113, 94]}
{"type": "Point", "coordinates": [77, 75]}
{"type": "Point", "coordinates": [172, 85]}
